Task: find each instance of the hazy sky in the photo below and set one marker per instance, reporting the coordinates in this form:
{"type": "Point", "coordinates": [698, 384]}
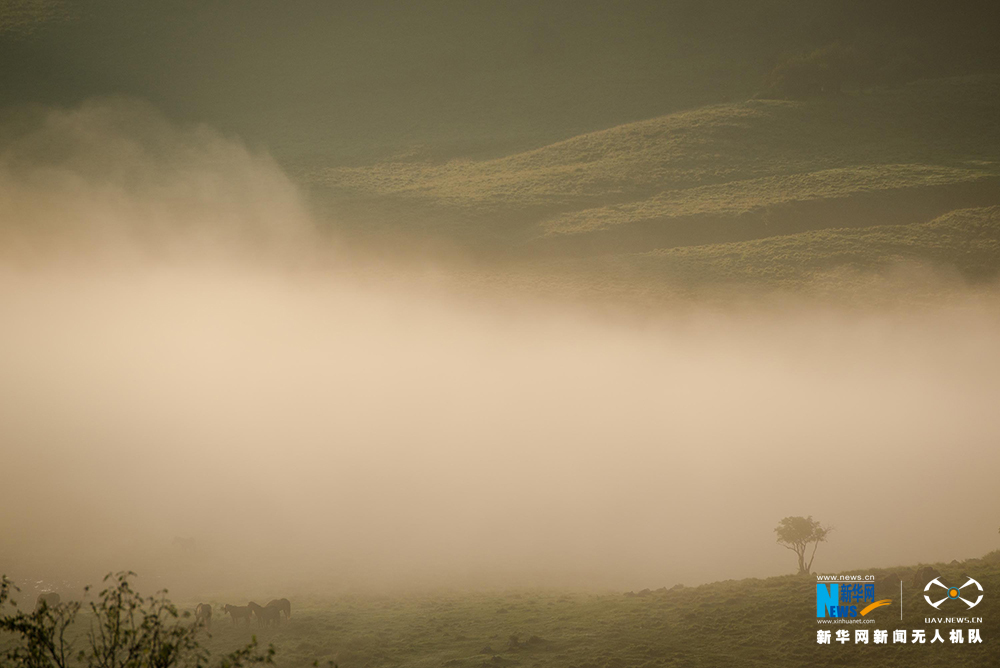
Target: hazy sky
{"type": "Point", "coordinates": [184, 355]}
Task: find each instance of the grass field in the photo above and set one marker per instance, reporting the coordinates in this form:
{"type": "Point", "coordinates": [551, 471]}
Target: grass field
{"type": "Point", "coordinates": [716, 174]}
{"type": "Point", "coordinates": [965, 243]}
{"type": "Point", "coordinates": [754, 622]}
{"type": "Point", "coordinates": [914, 262]}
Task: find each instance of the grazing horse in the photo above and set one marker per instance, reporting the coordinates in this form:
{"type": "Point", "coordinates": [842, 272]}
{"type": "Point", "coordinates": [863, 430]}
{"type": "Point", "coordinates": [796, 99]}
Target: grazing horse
{"type": "Point", "coordinates": [238, 612]}
{"type": "Point", "coordinates": [282, 604]}
{"type": "Point", "coordinates": [47, 600]}
{"type": "Point", "coordinates": [265, 616]}
{"type": "Point", "coordinates": [203, 614]}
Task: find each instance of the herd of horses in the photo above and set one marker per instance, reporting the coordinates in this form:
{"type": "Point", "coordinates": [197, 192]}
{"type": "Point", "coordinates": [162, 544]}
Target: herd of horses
{"type": "Point", "coordinates": [264, 615]}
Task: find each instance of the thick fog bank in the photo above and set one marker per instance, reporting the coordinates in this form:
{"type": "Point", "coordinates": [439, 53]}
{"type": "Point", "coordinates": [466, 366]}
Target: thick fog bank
{"type": "Point", "coordinates": [192, 388]}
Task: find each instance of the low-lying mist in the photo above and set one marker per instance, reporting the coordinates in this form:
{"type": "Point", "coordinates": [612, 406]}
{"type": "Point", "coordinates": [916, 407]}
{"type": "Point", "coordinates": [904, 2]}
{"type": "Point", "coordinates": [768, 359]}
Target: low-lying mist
{"type": "Point", "coordinates": [193, 387]}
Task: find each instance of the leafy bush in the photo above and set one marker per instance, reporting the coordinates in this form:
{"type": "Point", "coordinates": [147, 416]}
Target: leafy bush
{"type": "Point", "coordinates": [126, 630]}
{"type": "Point", "coordinates": [991, 557]}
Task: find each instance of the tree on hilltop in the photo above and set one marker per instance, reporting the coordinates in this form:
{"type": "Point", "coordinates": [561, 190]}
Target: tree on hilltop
{"type": "Point", "coordinates": [797, 533]}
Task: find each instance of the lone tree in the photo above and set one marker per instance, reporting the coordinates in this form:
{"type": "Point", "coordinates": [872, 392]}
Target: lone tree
{"type": "Point", "coordinates": [796, 533]}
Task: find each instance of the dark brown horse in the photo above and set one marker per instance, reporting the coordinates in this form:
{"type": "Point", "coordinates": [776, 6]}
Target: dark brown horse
{"type": "Point", "coordinates": [265, 616]}
{"type": "Point", "coordinates": [282, 604]}
{"type": "Point", "coordinates": [238, 612]}
{"type": "Point", "coordinates": [47, 600]}
{"type": "Point", "coordinates": [203, 614]}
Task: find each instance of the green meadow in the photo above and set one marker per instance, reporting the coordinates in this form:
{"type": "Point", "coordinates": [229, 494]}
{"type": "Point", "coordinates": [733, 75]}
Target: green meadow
{"type": "Point", "coordinates": [752, 622]}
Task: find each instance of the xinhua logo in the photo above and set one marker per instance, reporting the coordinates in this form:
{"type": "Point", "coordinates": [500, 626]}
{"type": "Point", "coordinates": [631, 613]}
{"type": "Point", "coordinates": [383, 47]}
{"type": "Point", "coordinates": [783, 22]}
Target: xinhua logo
{"type": "Point", "coordinates": [842, 599]}
{"type": "Point", "coordinates": [954, 593]}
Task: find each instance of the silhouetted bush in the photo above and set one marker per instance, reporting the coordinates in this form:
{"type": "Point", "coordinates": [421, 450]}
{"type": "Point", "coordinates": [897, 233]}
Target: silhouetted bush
{"type": "Point", "coordinates": [126, 630]}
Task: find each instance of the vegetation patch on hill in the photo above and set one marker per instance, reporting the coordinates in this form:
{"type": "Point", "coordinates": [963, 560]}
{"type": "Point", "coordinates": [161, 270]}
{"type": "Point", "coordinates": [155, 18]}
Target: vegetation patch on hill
{"type": "Point", "coordinates": [965, 241]}
{"type": "Point", "coordinates": [727, 172]}
{"type": "Point", "coordinates": [917, 261]}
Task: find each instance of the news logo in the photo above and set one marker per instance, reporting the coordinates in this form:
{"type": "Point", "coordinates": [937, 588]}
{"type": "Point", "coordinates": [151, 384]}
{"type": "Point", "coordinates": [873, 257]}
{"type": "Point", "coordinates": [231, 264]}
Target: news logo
{"type": "Point", "coordinates": [953, 593]}
{"type": "Point", "coordinates": [846, 599]}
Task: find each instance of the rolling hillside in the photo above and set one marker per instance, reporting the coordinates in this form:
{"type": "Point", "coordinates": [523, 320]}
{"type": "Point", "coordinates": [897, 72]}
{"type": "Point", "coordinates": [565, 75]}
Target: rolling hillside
{"type": "Point", "coordinates": [716, 174]}
{"type": "Point", "coordinates": [964, 243]}
{"type": "Point", "coordinates": [355, 82]}
{"type": "Point", "coordinates": [593, 134]}
{"type": "Point", "coordinates": [881, 264]}
{"type": "Point", "coordinates": [752, 622]}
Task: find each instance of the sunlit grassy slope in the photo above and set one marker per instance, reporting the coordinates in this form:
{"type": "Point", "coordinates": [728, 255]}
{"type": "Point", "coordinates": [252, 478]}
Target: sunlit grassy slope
{"type": "Point", "coordinates": [964, 243]}
{"type": "Point", "coordinates": [879, 264]}
{"type": "Point", "coordinates": [754, 622]}
{"type": "Point", "coordinates": [716, 174]}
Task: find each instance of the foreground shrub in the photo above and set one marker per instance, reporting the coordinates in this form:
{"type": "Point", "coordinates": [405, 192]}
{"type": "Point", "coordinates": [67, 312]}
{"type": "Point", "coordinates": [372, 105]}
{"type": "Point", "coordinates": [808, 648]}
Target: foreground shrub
{"type": "Point", "coordinates": [126, 630]}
